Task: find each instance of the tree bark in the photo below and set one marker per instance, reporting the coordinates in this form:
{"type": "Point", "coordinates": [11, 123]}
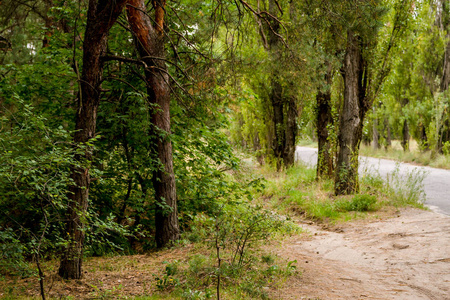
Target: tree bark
{"type": "Point", "coordinates": [375, 133]}
{"type": "Point", "coordinates": [102, 14]}
{"type": "Point", "coordinates": [150, 44]}
{"type": "Point", "coordinates": [325, 163]}
{"type": "Point", "coordinates": [290, 131]}
{"type": "Point", "coordinates": [351, 121]}
{"type": "Point", "coordinates": [284, 110]}
{"type": "Point", "coordinates": [405, 136]}
{"type": "Point", "coordinates": [276, 100]}
{"type": "Point", "coordinates": [388, 134]}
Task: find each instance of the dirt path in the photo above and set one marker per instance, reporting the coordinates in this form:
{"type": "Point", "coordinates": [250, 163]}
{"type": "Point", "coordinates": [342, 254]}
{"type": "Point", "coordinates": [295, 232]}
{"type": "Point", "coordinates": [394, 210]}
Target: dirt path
{"type": "Point", "coordinates": [405, 257]}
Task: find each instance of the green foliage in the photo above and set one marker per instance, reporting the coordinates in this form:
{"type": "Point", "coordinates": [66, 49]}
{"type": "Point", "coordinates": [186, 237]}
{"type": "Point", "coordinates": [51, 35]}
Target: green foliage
{"type": "Point", "coordinates": [233, 237]}
{"type": "Point", "coordinates": [12, 255]}
{"type": "Point", "coordinates": [34, 177]}
{"type": "Point", "coordinates": [406, 190]}
{"type": "Point", "coordinates": [360, 202]}
{"type": "Point", "coordinates": [167, 280]}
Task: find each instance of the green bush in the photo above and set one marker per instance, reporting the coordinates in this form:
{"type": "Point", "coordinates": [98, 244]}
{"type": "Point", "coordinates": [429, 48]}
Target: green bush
{"type": "Point", "coordinates": [360, 202]}
{"type": "Point", "coordinates": [12, 255]}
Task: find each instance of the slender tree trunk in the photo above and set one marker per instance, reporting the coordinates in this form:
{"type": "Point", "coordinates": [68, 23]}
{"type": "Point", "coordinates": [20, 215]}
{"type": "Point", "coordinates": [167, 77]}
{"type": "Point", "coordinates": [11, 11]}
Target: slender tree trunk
{"type": "Point", "coordinates": [375, 133]}
{"type": "Point", "coordinates": [388, 134]}
{"type": "Point", "coordinates": [424, 145]}
{"type": "Point", "coordinates": [325, 164]}
{"type": "Point", "coordinates": [150, 45]}
{"type": "Point", "coordinates": [102, 14]}
{"type": "Point", "coordinates": [277, 120]}
{"type": "Point", "coordinates": [352, 117]}
{"type": "Point", "coordinates": [290, 131]}
{"type": "Point", "coordinates": [405, 136]}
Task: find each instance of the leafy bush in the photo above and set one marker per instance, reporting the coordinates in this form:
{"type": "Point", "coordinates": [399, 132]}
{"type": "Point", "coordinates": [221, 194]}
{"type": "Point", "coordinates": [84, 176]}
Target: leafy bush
{"type": "Point", "coordinates": [360, 202]}
{"type": "Point", "coordinates": [12, 255]}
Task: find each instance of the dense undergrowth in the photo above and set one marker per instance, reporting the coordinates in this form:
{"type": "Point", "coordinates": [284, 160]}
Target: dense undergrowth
{"type": "Point", "coordinates": [226, 252]}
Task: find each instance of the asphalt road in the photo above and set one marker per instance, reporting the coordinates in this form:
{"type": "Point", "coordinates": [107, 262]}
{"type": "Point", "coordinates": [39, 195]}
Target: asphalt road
{"type": "Point", "coordinates": [436, 182]}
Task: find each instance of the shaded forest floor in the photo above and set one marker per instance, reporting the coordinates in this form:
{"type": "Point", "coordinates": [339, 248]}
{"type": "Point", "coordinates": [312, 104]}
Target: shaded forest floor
{"type": "Point", "coordinates": [395, 254]}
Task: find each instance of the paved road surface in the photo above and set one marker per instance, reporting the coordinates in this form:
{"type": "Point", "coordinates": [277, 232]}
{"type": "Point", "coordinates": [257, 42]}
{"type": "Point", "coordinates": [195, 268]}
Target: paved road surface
{"type": "Point", "coordinates": [436, 183]}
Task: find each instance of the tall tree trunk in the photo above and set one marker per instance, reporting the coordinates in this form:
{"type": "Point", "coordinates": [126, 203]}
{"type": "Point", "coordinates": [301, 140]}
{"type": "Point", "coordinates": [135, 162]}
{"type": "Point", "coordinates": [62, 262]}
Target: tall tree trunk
{"type": "Point", "coordinates": [405, 136]}
{"type": "Point", "coordinates": [352, 117]}
{"type": "Point", "coordinates": [290, 131]}
{"type": "Point", "coordinates": [278, 120]}
{"type": "Point", "coordinates": [424, 144]}
{"type": "Point", "coordinates": [388, 134]}
{"type": "Point", "coordinates": [284, 108]}
{"type": "Point", "coordinates": [325, 164]}
{"type": "Point", "coordinates": [150, 45]}
{"type": "Point", "coordinates": [375, 133]}
{"type": "Point", "coordinates": [102, 14]}
{"type": "Point", "coordinates": [405, 128]}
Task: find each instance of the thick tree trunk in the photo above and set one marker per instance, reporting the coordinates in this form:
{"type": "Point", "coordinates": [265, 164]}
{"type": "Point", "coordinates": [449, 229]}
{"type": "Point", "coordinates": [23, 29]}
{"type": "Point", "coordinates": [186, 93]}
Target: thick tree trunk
{"type": "Point", "coordinates": [150, 44]}
{"type": "Point", "coordinates": [284, 108]}
{"type": "Point", "coordinates": [352, 117]}
{"type": "Point", "coordinates": [102, 14]}
{"type": "Point", "coordinates": [325, 164]}
{"type": "Point", "coordinates": [445, 79]}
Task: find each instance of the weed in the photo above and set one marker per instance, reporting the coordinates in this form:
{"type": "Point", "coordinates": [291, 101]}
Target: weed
{"type": "Point", "coordinates": [360, 202]}
{"type": "Point", "coordinates": [167, 280]}
{"type": "Point", "coordinates": [407, 189]}
{"type": "Point", "coordinates": [268, 259]}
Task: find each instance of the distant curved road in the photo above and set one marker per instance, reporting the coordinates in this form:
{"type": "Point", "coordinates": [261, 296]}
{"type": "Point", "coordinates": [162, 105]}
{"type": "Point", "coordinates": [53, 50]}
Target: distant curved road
{"type": "Point", "coordinates": [436, 183]}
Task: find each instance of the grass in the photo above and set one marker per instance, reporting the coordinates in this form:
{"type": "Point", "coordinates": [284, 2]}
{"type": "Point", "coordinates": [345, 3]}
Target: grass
{"type": "Point", "coordinates": [297, 191]}
{"type": "Point", "coordinates": [190, 269]}
{"type": "Point", "coordinates": [414, 155]}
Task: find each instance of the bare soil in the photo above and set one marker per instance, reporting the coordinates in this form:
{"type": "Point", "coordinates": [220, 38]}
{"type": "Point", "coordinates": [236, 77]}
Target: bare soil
{"type": "Point", "coordinates": [404, 257]}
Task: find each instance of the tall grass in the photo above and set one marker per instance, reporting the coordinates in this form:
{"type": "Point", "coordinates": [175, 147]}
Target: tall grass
{"type": "Point", "coordinates": [297, 191]}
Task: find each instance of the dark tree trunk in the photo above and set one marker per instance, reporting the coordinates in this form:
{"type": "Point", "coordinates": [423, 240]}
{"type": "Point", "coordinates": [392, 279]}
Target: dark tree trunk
{"type": "Point", "coordinates": [325, 164]}
{"type": "Point", "coordinates": [424, 145]}
{"type": "Point", "coordinates": [445, 79]}
{"type": "Point", "coordinates": [388, 134]}
{"type": "Point", "coordinates": [278, 121]}
{"type": "Point", "coordinates": [352, 117]}
{"type": "Point", "coordinates": [405, 136]}
{"type": "Point", "coordinates": [290, 131]}
{"type": "Point", "coordinates": [284, 109]}
{"type": "Point", "coordinates": [150, 44]}
{"type": "Point", "coordinates": [405, 129]}
{"type": "Point", "coordinates": [102, 14]}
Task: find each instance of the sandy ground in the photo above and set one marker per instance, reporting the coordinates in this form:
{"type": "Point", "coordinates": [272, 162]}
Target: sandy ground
{"type": "Point", "coordinates": [402, 257]}
{"type": "Point", "coordinates": [405, 257]}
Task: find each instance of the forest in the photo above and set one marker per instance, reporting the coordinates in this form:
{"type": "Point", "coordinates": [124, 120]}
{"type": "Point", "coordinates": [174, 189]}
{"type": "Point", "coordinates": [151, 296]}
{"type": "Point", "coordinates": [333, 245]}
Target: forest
{"type": "Point", "coordinates": [130, 127]}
